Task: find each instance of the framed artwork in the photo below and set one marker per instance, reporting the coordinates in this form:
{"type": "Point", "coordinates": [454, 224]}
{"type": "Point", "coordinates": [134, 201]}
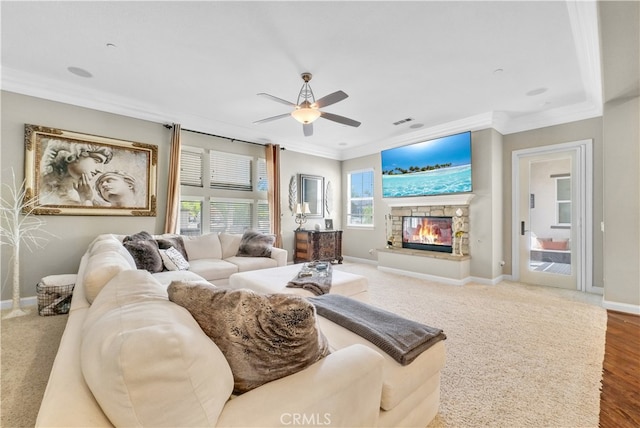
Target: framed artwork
{"type": "Point", "coordinates": [69, 173]}
{"type": "Point", "coordinates": [328, 224]}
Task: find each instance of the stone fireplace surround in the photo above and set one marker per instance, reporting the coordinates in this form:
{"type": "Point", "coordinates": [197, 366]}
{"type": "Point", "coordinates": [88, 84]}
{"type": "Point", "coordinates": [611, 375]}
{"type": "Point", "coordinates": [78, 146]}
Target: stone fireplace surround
{"type": "Point", "coordinates": [443, 267]}
{"type": "Point", "coordinates": [429, 210]}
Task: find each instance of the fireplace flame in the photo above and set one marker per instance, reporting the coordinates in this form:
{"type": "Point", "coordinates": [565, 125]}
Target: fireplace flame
{"type": "Point", "coordinates": [426, 233]}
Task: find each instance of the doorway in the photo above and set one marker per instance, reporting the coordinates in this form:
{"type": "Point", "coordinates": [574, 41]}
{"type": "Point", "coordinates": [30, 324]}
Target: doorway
{"type": "Point", "coordinates": [552, 194]}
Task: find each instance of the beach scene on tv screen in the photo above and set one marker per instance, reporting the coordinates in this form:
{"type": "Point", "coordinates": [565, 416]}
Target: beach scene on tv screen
{"type": "Point", "coordinates": [434, 167]}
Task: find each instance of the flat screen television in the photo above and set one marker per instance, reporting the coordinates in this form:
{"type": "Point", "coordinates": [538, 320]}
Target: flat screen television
{"type": "Point", "coordinates": [435, 167]}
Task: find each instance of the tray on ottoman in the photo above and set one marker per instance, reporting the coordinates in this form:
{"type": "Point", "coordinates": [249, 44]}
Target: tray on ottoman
{"type": "Point", "coordinates": [275, 280]}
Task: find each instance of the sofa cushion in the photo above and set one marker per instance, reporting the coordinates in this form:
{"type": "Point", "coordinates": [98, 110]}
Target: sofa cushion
{"type": "Point", "coordinates": [173, 259]}
{"type": "Point", "coordinates": [167, 276]}
{"type": "Point", "coordinates": [113, 244]}
{"type": "Point", "coordinates": [146, 360]}
{"type": "Point", "coordinates": [263, 337]}
{"type": "Point", "coordinates": [100, 269]}
{"type": "Point", "coordinates": [212, 269]}
{"type": "Point", "coordinates": [146, 254]}
{"type": "Point", "coordinates": [252, 263]}
{"type": "Point", "coordinates": [256, 244]}
{"type": "Point", "coordinates": [205, 246]}
{"type": "Point", "coordinates": [230, 243]}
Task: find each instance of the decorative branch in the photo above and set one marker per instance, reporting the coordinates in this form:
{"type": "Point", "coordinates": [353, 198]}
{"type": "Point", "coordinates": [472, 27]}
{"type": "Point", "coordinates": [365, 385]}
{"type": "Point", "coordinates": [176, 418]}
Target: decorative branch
{"type": "Point", "coordinates": [19, 225]}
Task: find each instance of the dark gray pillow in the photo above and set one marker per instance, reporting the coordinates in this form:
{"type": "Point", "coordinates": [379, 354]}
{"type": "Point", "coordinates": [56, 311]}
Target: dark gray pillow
{"type": "Point", "coordinates": [140, 236]}
{"type": "Point", "coordinates": [146, 255]}
{"type": "Point", "coordinates": [256, 244]}
{"type": "Point", "coordinates": [176, 241]}
{"type": "Point", "coordinates": [273, 336]}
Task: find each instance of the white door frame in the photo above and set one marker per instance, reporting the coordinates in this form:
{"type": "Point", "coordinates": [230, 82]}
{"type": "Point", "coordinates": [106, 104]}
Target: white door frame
{"type": "Point", "coordinates": [584, 151]}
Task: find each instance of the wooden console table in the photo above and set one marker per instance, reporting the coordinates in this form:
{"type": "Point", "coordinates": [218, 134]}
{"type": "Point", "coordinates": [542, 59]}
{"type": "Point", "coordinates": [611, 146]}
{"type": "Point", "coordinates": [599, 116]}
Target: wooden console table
{"type": "Point", "coordinates": [322, 245]}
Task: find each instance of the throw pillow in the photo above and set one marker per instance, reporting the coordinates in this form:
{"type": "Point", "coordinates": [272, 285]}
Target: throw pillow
{"type": "Point", "coordinates": [146, 255]}
{"type": "Point", "coordinates": [256, 244]}
{"type": "Point", "coordinates": [140, 236]}
{"type": "Point", "coordinates": [264, 337]}
{"type": "Point", "coordinates": [173, 260]}
{"type": "Point", "coordinates": [167, 241]}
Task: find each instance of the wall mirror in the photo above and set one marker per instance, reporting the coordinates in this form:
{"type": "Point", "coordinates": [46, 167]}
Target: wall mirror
{"type": "Point", "coordinates": [312, 192]}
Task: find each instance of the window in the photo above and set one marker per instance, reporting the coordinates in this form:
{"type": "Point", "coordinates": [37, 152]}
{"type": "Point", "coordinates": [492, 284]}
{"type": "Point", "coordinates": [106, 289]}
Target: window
{"type": "Point", "coordinates": [231, 198]}
{"type": "Point", "coordinates": [563, 201]}
{"type": "Point", "coordinates": [360, 199]}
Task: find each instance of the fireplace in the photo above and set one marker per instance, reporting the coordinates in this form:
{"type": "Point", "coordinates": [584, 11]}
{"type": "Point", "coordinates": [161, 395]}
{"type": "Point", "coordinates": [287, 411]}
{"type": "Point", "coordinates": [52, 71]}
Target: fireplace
{"type": "Point", "coordinates": [431, 233]}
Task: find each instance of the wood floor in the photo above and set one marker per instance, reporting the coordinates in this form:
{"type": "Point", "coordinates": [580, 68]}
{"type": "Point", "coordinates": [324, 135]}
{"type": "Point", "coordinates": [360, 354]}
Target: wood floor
{"type": "Point", "coordinates": [620, 396]}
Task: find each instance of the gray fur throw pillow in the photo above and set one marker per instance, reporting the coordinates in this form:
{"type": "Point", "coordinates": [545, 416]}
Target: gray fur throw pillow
{"type": "Point", "coordinates": [263, 337]}
{"type": "Point", "coordinates": [256, 244]}
{"type": "Point", "coordinates": [140, 236]}
{"type": "Point", "coordinates": [146, 255]}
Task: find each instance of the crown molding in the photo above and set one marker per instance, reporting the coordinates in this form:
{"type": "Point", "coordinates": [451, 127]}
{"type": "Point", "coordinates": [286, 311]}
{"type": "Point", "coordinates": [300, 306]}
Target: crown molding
{"type": "Point", "coordinates": [584, 26]}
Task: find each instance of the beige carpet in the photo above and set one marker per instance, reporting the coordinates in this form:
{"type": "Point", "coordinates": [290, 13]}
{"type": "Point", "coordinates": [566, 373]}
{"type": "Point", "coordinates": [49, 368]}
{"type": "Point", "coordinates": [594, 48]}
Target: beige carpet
{"type": "Point", "coordinates": [517, 356]}
{"type": "Point", "coordinates": [28, 346]}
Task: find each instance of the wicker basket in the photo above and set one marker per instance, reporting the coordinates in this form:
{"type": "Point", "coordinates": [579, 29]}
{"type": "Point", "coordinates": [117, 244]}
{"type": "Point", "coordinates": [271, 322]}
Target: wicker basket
{"type": "Point", "coordinates": [54, 294]}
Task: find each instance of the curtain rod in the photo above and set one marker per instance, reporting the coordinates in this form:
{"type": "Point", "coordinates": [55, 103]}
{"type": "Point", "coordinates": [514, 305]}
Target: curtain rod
{"type": "Point", "coordinates": [217, 136]}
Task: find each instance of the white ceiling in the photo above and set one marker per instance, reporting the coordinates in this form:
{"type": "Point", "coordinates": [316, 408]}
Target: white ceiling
{"type": "Point", "coordinates": [201, 64]}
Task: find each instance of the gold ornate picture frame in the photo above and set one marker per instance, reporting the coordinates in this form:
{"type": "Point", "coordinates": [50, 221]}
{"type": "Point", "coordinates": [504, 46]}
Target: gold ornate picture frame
{"type": "Point", "coordinates": [69, 173]}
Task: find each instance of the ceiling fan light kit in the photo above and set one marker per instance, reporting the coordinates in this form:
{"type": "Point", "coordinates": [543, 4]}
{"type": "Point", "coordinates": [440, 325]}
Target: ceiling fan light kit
{"type": "Point", "coordinates": [305, 115]}
{"type": "Point", "coordinates": [307, 109]}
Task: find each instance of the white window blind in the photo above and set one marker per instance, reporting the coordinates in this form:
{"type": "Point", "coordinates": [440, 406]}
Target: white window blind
{"type": "Point", "coordinates": [191, 168]}
{"type": "Point", "coordinates": [230, 171]}
{"type": "Point", "coordinates": [229, 197]}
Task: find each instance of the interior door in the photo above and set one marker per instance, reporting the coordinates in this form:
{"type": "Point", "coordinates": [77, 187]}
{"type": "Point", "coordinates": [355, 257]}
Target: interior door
{"type": "Point", "coordinates": [548, 219]}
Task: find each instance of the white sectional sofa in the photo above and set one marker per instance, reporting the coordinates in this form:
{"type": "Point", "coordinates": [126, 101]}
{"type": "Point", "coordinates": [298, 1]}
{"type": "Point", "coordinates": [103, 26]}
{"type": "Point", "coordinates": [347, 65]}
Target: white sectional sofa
{"type": "Point", "coordinates": [214, 257]}
{"type": "Point", "coordinates": [131, 357]}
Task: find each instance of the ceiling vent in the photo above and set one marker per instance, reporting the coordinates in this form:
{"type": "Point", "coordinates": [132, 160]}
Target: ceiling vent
{"type": "Point", "coordinates": [403, 121]}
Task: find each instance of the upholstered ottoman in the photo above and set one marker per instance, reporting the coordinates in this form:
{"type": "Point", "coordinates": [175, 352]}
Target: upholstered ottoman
{"type": "Point", "coordinates": [275, 280]}
{"type": "Point", "coordinates": [410, 393]}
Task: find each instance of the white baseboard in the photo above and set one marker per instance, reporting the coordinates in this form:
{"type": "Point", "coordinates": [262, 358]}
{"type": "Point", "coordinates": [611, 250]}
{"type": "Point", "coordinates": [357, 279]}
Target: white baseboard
{"type": "Point", "coordinates": [359, 260]}
{"type": "Point", "coordinates": [428, 277]}
{"type": "Point", "coordinates": [487, 281]}
{"type": "Point", "coordinates": [621, 307]}
{"type": "Point", "coordinates": [24, 302]}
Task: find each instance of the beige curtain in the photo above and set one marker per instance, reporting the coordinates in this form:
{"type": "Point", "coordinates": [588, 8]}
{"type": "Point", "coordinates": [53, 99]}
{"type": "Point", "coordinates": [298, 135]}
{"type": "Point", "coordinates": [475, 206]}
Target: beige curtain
{"type": "Point", "coordinates": [173, 187]}
{"type": "Point", "coordinates": [272, 154]}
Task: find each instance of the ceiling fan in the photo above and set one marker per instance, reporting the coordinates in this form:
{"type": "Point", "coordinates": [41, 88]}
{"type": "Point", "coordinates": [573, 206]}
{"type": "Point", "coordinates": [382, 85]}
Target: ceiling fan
{"type": "Point", "coordinates": [307, 109]}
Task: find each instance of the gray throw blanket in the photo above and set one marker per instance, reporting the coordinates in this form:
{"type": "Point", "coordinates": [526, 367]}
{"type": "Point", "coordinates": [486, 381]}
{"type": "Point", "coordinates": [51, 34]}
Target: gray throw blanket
{"type": "Point", "coordinates": [404, 340]}
{"type": "Point", "coordinates": [317, 283]}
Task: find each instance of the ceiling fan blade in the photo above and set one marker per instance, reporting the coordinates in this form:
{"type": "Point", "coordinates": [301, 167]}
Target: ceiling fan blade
{"type": "Point", "coordinates": [307, 128]}
{"type": "Point", "coordinates": [331, 99]}
{"type": "Point", "coordinates": [269, 119]}
{"type": "Point", "coordinates": [276, 99]}
{"type": "Point", "coordinates": [340, 119]}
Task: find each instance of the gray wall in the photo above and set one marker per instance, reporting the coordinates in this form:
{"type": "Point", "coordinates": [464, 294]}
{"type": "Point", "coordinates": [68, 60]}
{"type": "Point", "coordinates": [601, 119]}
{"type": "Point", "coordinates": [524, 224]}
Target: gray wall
{"type": "Point", "coordinates": [485, 234]}
{"type": "Point", "coordinates": [293, 163]}
{"type": "Point", "coordinates": [590, 129]}
{"type": "Point", "coordinates": [620, 29]}
{"type": "Point", "coordinates": [74, 233]}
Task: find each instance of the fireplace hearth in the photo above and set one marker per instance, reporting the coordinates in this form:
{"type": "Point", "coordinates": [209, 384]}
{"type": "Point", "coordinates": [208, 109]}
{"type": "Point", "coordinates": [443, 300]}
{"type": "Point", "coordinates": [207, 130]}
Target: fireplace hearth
{"type": "Point", "coordinates": [430, 233]}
